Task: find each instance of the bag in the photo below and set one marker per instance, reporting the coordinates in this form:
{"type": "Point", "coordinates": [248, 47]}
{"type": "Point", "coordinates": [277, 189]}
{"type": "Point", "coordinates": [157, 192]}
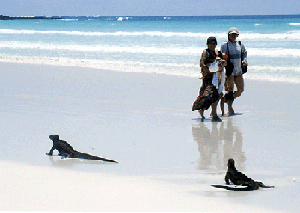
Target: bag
{"type": "Point", "coordinates": [244, 69]}
{"type": "Point", "coordinates": [229, 68]}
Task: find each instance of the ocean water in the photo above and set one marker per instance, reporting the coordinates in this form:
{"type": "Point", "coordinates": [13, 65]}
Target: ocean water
{"type": "Point", "coordinates": [169, 45]}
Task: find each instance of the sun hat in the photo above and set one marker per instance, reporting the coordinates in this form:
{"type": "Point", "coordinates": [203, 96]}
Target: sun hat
{"type": "Point", "coordinates": [233, 30]}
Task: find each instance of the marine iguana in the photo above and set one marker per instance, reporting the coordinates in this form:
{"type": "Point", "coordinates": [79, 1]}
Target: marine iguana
{"type": "Point", "coordinates": [66, 150]}
{"type": "Point", "coordinates": [237, 178]}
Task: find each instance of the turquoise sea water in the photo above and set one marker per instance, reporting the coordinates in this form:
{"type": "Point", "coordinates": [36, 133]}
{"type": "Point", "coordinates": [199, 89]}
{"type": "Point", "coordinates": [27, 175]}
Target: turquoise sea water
{"type": "Point", "coordinates": [170, 45]}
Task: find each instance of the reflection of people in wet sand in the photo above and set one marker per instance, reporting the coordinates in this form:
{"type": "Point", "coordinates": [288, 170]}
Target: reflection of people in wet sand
{"type": "Point", "coordinates": [208, 144]}
{"type": "Point", "coordinates": [233, 176]}
{"type": "Point", "coordinates": [66, 150]}
{"type": "Point", "coordinates": [217, 143]}
{"type": "Point", "coordinates": [233, 143]}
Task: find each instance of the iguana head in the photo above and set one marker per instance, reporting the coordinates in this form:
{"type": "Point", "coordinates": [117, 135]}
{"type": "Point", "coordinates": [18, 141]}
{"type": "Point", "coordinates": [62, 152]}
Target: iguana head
{"type": "Point", "coordinates": [54, 137]}
{"type": "Point", "coordinates": [230, 162]}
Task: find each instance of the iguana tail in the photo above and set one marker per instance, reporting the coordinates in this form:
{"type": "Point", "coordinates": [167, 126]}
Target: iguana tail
{"type": "Point", "coordinates": [90, 157]}
{"type": "Point", "coordinates": [260, 184]}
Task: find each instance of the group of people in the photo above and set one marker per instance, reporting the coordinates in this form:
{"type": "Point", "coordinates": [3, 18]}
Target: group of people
{"type": "Point", "coordinates": [232, 57]}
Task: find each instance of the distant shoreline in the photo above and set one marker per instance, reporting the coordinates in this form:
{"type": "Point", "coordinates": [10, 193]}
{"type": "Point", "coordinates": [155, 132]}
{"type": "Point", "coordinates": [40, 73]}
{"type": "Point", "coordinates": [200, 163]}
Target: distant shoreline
{"type": "Point", "coordinates": [4, 17]}
{"type": "Point", "coordinates": [26, 17]}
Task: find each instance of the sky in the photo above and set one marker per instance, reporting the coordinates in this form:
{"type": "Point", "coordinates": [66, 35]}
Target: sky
{"type": "Point", "coordinates": [148, 7]}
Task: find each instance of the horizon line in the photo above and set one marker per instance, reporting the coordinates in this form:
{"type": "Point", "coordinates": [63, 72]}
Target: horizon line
{"type": "Point", "coordinates": [145, 15]}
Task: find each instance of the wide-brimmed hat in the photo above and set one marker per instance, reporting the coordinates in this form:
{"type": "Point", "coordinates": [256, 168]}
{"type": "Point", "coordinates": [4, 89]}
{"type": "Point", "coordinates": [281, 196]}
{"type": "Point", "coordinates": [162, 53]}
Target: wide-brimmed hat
{"type": "Point", "coordinates": [233, 30]}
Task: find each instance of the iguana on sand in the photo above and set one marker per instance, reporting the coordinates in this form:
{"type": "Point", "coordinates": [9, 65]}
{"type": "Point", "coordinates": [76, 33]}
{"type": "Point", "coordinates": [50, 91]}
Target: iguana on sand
{"type": "Point", "coordinates": [237, 178]}
{"type": "Point", "coordinates": [66, 150]}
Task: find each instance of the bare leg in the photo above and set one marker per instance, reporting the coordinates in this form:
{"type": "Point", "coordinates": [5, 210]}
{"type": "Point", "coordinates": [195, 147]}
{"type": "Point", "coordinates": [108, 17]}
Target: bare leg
{"type": "Point", "coordinates": [215, 117]}
{"type": "Point", "coordinates": [239, 82]}
{"type": "Point", "coordinates": [230, 109]}
{"type": "Point", "coordinates": [222, 105]}
{"type": "Point", "coordinates": [214, 108]}
{"type": "Point", "coordinates": [201, 112]}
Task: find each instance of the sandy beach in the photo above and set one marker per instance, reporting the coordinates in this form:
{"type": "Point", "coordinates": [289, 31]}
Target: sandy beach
{"type": "Point", "coordinates": [167, 157]}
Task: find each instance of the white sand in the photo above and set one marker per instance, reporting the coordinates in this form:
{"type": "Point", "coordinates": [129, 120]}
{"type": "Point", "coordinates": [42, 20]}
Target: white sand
{"type": "Point", "coordinates": [168, 158]}
{"type": "Point", "coordinates": [38, 188]}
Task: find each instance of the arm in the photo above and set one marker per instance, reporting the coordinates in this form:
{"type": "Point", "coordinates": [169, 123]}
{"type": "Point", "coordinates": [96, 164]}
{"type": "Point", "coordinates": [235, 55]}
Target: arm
{"type": "Point", "coordinates": [224, 48]}
{"type": "Point", "coordinates": [203, 66]}
{"type": "Point", "coordinates": [221, 64]}
{"type": "Point", "coordinates": [244, 55]}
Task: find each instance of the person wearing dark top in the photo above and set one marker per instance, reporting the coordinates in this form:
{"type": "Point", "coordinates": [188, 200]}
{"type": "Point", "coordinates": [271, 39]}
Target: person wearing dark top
{"type": "Point", "coordinates": [209, 94]}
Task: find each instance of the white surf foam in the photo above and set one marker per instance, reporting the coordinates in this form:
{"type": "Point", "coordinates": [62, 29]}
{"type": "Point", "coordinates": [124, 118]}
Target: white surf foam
{"type": "Point", "coordinates": [294, 35]}
{"type": "Point", "coordinates": [267, 73]}
{"type": "Point", "coordinates": [294, 24]}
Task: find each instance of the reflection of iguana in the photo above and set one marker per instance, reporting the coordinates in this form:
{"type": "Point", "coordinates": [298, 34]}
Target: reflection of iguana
{"type": "Point", "coordinates": [66, 150]}
{"type": "Point", "coordinates": [237, 178]}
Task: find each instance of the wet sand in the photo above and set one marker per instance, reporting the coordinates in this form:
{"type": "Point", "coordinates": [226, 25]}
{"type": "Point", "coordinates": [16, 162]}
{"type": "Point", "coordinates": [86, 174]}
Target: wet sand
{"type": "Point", "coordinates": [167, 157]}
